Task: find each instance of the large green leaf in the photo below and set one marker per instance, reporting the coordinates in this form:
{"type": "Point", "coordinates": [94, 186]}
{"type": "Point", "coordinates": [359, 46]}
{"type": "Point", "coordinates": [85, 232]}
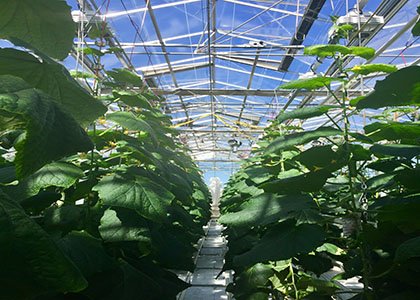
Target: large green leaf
{"type": "Point", "coordinates": [398, 88]}
{"type": "Point", "coordinates": [364, 52]}
{"type": "Point", "coordinates": [173, 248]}
{"type": "Point", "coordinates": [373, 68]}
{"type": "Point", "coordinates": [331, 50]}
{"type": "Point", "coordinates": [408, 249]}
{"type": "Point", "coordinates": [326, 50]}
{"type": "Point", "coordinates": [133, 99]}
{"type": "Point", "coordinates": [409, 178]}
{"type": "Point", "coordinates": [304, 113]}
{"type": "Point", "coordinates": [50, 132]}
{"type": "Point", "coordinates": [47, 25]}
{"type": "Point", "coordinates": [321, 157]}
{"type": "Point", "coordinates": [309, 83]}
{"type": "Point", "coordinates": [65, 218]}
{"type": "Point", "coordinates": [388, 165]}
{"type": "Point", "coordinates": [31, 263]}
{"type": "Point", "coordinates": [131, 122]}
{"type": "Point", "coordinates": [53, 79]}
{"type": "Point", "coordinates": [393, 131]}
{"type": "Point", "coordinates": [283, 242]}
{"type": "Point", "coordinates": [265, 209]}
{"type": "Point", "coordinates": [252, 279]}
{"type": "Point", "coordinates": [136, 192]}
{"type": "Point", "coordinates": [307, 182]}
{"type": "Point", "coordinates": [120, 224]}
{"type": "Point", "coordinates": [57, 174]}
{"type": "Point", "coordinates": [258, 173]}
{"type": "Point", "coordinates": [294, 139]}
{"type": "Point", "coordinates": [146, 279]}
{"type": "Point", "coordinates": [408, 151]}
{"type": "Point", "coordinates": [86, 252]}
{"type": "Point", "coordinates": [123, 78]}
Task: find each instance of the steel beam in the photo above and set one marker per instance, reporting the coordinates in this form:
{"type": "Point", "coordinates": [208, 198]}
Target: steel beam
{"type": "Point", "coordinates": [173, 69]}
{"type": "Point", "coordinates": [287, 12]}
{"type": "Point", "coordinates": [236, 92]}
{"type": "Point", "coordinates": [248, 61]}
{"type": "Point", "coordinates": [311, 14]}
{"type": "Point", "coordinates": [162, 46]}
{"type": "Point", "coordinates": [143, 9]}
{"type": "Point", "coordinates": [251, 77]}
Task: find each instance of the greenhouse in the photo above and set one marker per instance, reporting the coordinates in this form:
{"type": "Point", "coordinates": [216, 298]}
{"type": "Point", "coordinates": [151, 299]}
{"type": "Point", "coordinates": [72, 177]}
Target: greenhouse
{"type": "Point", "coordinates": [209, 149]}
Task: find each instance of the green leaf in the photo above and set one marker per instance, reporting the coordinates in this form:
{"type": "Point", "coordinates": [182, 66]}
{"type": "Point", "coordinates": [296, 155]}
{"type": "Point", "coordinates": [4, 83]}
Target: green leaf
{"type": "Point", "coordinates": [252, 279]}
{"type": "Point", "coordinates": [408, 151]}
{"type": "Point", "coordinates": [149, 199]}
{"type": "Point", "coordinates": [331, 50]}
{"type": "Point", "coordinates": [308, 182]}
{"type": "Point", "coordinates": [304, 113]}
{"type": "Point", "coordinates": [259, 174]}
{"type": "Point", "coordinates": [409, 178]}
{"type": "Point", "coordinates": [36, 204]}
{"type": "Point", "coordinates": [397, 89]}
{"type": "Point", "coordinates": [133, 99]}
{"type": "Point", "coordinates": [388, 165]}
{"type": "Point", "coordinates": [317, 286]}
{"type": "Point", "coordinates": [57, 174]}
{"type": "Point", "coordinates": [90, 51]}
{"type": "Point", "coordinates": [330, 248]}
{"type": "Point", "coordinates": [86, 252]}
{"type": "Point", "coordinates": [124, 78]}
{"type": "Point", "coordinates": [46, 25]}
{"type": "Point", "coordinates": [50, 133]}
{"type": "Point", "coordinates": [326, 50]}
{"type": "Point", "coordinates": [64, 218]}
{"type": "Point", "coordinates": [7, 174]}
{"type": "Point", "coordinates": [364, 52]}
{"type": "Point", "coordinates": [287, 141]}
{"type": "Point", "coordinates": [31, 263]}
{"type": "Point", "coordinates": [309, 83]}
{"type": "Point", "coordinates": [321, 157]}
{"type": "Point", "coordinates": [373, 68]}
{"type": "Point", "coordinates": [283, 241]}
{"type": "Point", "coordinates": [53, 79]}
{"type": "Point", "coordinates": [121, 225]}
{"type": "Point", "coordinates": [173, 247]}
{"type": "Point", "coordinates": [393, 131]}
{"type": "Point", "coordinates": [131, 122]}
{"type": "Point", "coordinates": [316, 263]}
{"type": "Point", "coordinates": [380, 181]}
{"type": "Point", "coordinates": [408, 249]}
{"type": "Point", "coordinates": [265, 209]}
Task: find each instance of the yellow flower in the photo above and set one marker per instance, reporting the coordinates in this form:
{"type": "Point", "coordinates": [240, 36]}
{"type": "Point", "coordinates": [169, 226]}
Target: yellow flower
{"type": "Point", "coordinates": [356, 68]}
{"type": "Point", "coordinates": [102, 120]}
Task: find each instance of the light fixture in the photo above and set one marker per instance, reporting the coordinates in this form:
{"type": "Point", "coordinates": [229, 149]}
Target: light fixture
{"type": "Point", "coordinates": [234, 145]}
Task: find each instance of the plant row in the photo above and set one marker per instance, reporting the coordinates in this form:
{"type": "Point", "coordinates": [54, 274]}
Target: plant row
{"type": "Point", "coordinates": [313, 208]}
{"type": "Point", "coordinates": [98, 200]}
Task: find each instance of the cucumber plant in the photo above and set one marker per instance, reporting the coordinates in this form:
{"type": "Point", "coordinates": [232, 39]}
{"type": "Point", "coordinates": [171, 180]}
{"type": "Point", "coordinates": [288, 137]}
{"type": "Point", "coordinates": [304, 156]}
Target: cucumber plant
{"type": "Point", "coordinates": [98, 200]}
{"type": "Point", "coordinates": [332, 198]}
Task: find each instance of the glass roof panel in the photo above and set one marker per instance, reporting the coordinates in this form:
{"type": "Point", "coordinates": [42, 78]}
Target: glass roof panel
{"type": "Point", "coordinates": [220, 81]}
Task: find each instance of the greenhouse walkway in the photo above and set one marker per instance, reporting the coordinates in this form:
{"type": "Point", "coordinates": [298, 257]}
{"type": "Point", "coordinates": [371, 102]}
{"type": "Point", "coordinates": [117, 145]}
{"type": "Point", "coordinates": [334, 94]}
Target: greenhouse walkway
{"type": "Point", "coordinates": [206, 284]}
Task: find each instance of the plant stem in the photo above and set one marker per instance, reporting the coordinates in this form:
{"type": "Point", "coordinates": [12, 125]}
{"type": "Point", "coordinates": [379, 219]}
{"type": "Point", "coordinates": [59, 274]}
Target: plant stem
{"type": "Point", "coordinates": [359, 228]}
{"type": "Point", "coordinates": [293, 281]}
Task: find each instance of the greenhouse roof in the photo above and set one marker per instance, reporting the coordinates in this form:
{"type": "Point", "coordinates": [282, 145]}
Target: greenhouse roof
{"type": "Point", "coordinates": [219, 63]}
